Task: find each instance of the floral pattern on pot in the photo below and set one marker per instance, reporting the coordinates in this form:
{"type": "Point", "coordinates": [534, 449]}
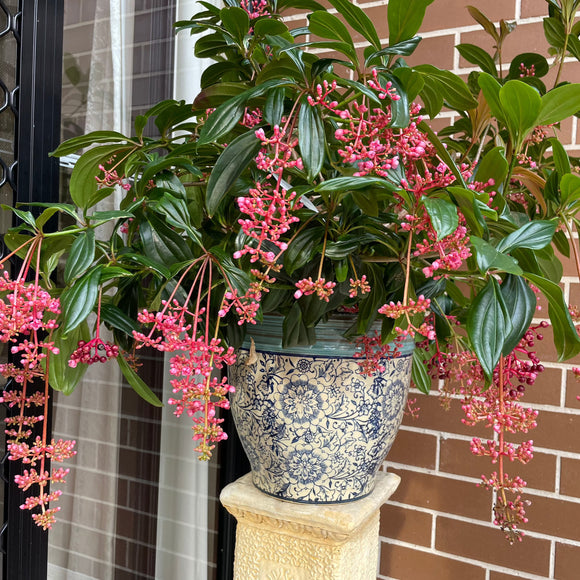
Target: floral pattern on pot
{"type": "Point", "coordinates": [314, 428]}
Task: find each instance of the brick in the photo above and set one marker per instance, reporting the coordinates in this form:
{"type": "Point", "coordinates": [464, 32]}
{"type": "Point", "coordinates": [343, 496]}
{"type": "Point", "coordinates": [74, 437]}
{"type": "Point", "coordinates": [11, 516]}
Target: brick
{"type": "Point", "coordinates": [555, 431]}
{"type": "Point", "coordinates": [448, 14]}
{"type": "Point", "coordinates": [570, 476]}
{"type": "Point", "coordinates": [531, 8]}
{"type": "Point", "coordinates": [525, 38]}
{"type": "Point", "coordinates": [407, 564]}
{"type": "Point", "coordinates": [433, 416]}
{"type": "Point", "coordinates": [378, 15]}
{"type": "Point", "coordinates": [554, 517]}
{"type": "Point", "coordinates": [487, 543]}
{"type": "Point", "coordinates": [546, 350]}
{"type": "Point", "coordinates": [500, 576]}
{"type": "Point", "coordinates": [413, 448]}
{"type": "Point", "coordinates": [567, 562]}
{"type": "Point", "coordinates": [438, 51]}
{"type": "Point", "coordinates": [455, 457]}
{"type": "Point", "coordinates": [406, 525]}
{"type": "Point", "coordinates": [546, 390]}
{"type": "Point", "coordinates": [442, 494]}
{"type": "Point", "coordinates": [572, 391]}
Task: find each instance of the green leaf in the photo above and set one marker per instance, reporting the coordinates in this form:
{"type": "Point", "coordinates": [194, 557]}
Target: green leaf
{"type": "Point", "coordinates": [61, 376]}
{"type": "Point", "coordinates": [400, 117]}
{"type": "Point", "coordinates": [404, 48]}
{"type": "Point", "coordinates": [566, 338]}
{"type": "Point", "coordinates": [268, 26]}
{"type": "Point", "coordinates": [25, 216]}
{"type": "Point", "coordinates": [570, 188]}
{"type": "Point", "coordinates": [561, 159]}
{"type": "Point", "coordinates": [476, 55]}
{"type": "Point", "coordinates": [222, 120]}
{"type": "Point", "coordinates": [412, 82]}
{"type": "Point", "coordinates": [327, 25]}
{"type": "Point", "coordinates": [559, 104]}
{"type": "Point", "coordinates": [443, 214]}
{"type": "Point", "coordinates": [177, 214]}
{"type": "Point", "coordinates": [302, 249]}
{"type": "Point", "coordinates": [236, 21]}
{"type": "Point", "coordinates": [521, 304]}
{"type": "Point", "coordinates": [113, 214]}
{"type": "Point", "coordinates": [529, 60]}
{"type": "Point", "coordinates": [484, 21]}
{"type": "Point", "coordinates": [491, 88]}
{"type": "Point", "coordinates": [162, 243]}
{"type": "Point", "coordinates": [149, 263]}
{"type": "Point", "coordinates": [419, 375]}
{"type": "Point", "coordinates": [431, 96]}
{"type": "Point", "coordinates": [229, 166]}
{"type": "Point", "coordinates": [405, 18]}
{"type": "Point", "coordinates": [116, 318]}
{"type": "Point", "coordinates": [76, 143]}
{"type": "Point", "coordinates": [79, 300]}
{"type": "Point", "coordinates": [493, 165]}
{"type": "Point", "coordinates": [359, 21]}
{"type": "Point", "coordinates": [533, 235]}
{"type": "Point", "coordinates": [311, 138]}
{"type": "Point", "coordinates": [274, 108]}
{"type": "Point", "coordinates": [62, 207]}
{"type": "Point", "coordinates": [488, 258]}
{"type": "Point", "coordinates": [454, 90]}
{"type": "Point", "coordinates": [137, 383]}
{"type": "Point", "coordinates": [354, 183]}
{"type": "Point", "coordinates": [82, 254]}
{"type": "Point", "coordinates": [83, 184]}
{"type": "Point", "coordinates": [488, 325]}
{"type": "Point", "coordinates": [521, 106]}
{"type": "Point", "coordinates": [555, 32]}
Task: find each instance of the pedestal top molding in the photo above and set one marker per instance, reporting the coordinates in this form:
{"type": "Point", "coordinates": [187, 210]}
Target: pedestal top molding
{"type": "Point", "coordinates": [336, 521]}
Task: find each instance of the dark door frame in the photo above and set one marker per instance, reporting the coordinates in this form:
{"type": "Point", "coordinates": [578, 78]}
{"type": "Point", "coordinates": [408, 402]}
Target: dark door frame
{"type": "Point", "coordinates": [37, 28]}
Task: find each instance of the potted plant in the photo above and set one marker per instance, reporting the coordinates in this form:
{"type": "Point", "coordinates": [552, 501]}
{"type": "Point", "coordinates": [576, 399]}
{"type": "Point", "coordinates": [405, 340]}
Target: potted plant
{"type": "Point", "coordinates": [309, 186]}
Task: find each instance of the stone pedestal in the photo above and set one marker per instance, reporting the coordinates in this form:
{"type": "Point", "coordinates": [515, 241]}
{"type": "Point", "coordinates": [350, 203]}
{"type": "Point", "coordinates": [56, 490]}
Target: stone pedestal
{"type": "Point", "coordinates": [280, 540]}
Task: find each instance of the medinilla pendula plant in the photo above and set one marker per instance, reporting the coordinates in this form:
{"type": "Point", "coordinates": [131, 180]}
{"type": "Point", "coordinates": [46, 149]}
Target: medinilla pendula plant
{"type": "Point", "coordinates": [305, 180]}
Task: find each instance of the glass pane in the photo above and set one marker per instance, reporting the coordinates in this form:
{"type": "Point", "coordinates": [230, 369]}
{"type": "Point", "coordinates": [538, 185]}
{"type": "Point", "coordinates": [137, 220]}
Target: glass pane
{"type": "Point", "coordinates": [137, 503]}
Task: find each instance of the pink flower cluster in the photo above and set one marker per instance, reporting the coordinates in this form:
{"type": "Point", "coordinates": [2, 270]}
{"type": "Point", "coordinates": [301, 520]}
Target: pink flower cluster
{"type": "Point", "coordinates": [411, 308]}
{"type": "Point", "coordinates": [372, 353]}
{"type": "Point", "coordinates": [111, 178]}
{"type": "Point", "coordinates": [175, 329]}
{"type": "Point", "coordinates": [320, 287]}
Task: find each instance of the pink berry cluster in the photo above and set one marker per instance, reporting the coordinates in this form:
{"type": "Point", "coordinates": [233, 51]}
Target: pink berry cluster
{"type": "Point", "coordinates": [372, 352]}
{"type": "Point", "coordinates": [94, 351]}
{"type": "Point", "coordinates": [409, 309]}
{"type": "Point", "coordinates": [196, 356]}
{"type": "Point", "coordinates": [27, 320]}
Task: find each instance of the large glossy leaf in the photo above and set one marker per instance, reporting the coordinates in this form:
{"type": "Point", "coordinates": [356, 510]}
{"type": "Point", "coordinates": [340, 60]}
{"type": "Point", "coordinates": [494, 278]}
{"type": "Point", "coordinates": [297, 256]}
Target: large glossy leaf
{"type": "Point", "coordinates": [137, 383]}
{"type": "Point", "coordinates": [484, 21]}
{"type": "Point", "coordinates": [405, 18]}
{"type": "Point", "coordinates": [521, 303]}
{"type": "Point", "coordinates": [529, 59]}
{"type": "Point", "coordinates": [82, 254]}
{"type": "Point", "coordinates": [61, 376]}
{"type": "Point", "coordinates": [177, 214]}
{"type": "Point", "coordinates": [443, 214]}
{"type": "Point", "coordinates": [72, 145]}
{"type": "Point", "coordinates": [354, 183]}
{"type": "Point", "coordinates": [162, 243]}
{"type": "Point", "coordinates": [521, 106]}
{"type": "Point", "coordinates": [229, 166]}
{"type": "Point", "coordinates": [400, 117]}
{"type": "Point", "coordinates": [493, 165]}
{"type": "Point", "coordinates": [570, 188]}
{"type": "Point", "coordinates": [327, 25]}
{"type": "Point", "coordinates": [274, 108]}
{"type": "Point", "coordinates": [559, 104]}
{"type": "Point", "coordinates": [419, 375]}
{"type": "Point", "coordinates": [476, 55]}
{"type": "Point", "coordinates": [488, 258]}
{"type": "Point", "coordinates": [431, 96]}
{"type": "Point", "coordinates": [116, 318]}
{"type": "Point", "coordinates": [403, 48]}
{"type": "Point", "coordinates": [311, 139]}
{"type": "Point", "coordinates": [83, 184]}
{"type": "Point", "coordinates": [79, 300]}
{"type": "Point", "coordinates": [566, 338]}
{"type": "Point", "coordinates": [358, 19]}
{"type": "Point", "coordinates": [302, 249]}
{"type": "Point", "coordinates": [533, 235]}
{"type": "Point", "coordinates": [488, 325]}
{"type": "Point", "coordinates": [555, 32]}
{"type": "Point", "coordinates": [561, 159]}
{"type": "Point", "coordinates": [237, 22]}
{"type": "Point", "coordinates": [453, 89]}
{"type": "Point", "coordinates": [491, 87]}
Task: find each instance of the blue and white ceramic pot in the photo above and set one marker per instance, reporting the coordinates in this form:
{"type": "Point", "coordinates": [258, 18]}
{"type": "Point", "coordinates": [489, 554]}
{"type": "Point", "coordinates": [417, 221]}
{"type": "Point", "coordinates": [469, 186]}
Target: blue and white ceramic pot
{"type": "Point", "coordinates": [314, 428]}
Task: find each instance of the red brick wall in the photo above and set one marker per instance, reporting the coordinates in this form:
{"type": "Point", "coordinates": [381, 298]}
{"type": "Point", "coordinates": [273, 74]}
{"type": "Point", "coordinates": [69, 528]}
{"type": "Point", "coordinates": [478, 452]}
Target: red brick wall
{"type": "Point", "coordinates": [438, 524]}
